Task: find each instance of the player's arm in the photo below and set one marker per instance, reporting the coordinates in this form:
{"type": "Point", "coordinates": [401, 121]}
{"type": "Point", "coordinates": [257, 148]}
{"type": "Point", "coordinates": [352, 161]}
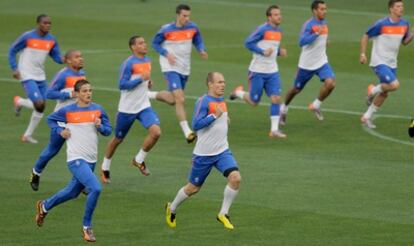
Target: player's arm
{"type": "Point", "coordinates": [15, 48]}
{"type": "Point", "coordinates": [54, 91]}
{"type": "Point", "coordinates": [307, 36]}
{"type": "Point", "coordinates": [373, 31]}
{"type": "Point", "coordinates": [251, 42]}
{"type": "Point", "coordinates": [363, 49]}
{"type": "Point", "coordinates": [55, 120]}
{"type": "Point", "coordinates": [104, 127]}
{"type": "Point", "coordinates": [125, 81]}
{"type": "Point", "coordinates": [199, 44]}
{"type": "Point", "coordinates": [157, 41]}
{"type": "Point", "coordinates": [408, 37]}
{"type": "Point", "coordinates": [201, 118]}
{"type": "Point", "coordinates": [55, 54]}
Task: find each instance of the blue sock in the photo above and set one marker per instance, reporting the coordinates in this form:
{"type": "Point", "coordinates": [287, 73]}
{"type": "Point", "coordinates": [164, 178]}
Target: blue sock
{"type": "Point", "coordinates": [274, 109]}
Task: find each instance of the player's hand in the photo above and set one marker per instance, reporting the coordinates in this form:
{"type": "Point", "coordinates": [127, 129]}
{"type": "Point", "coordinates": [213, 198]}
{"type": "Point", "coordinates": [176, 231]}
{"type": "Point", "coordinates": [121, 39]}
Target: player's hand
{"type": "Point", "coordinates": [98, 122]}
{"type": "Point", "coordinates": [150, 84]}
{"type": "Point", "coordinates": [219, 111]}
{"type": "Point", "coordinates": [171, 58]}
{"type": "Point", "coordinates": [362, 58]}
{"type": "Point", "coordinates": [268, 52]}
{"type": "Point", "coordinates": [145, 76]}
{"type": "Point", "coordinates": [16, 75]}
{"type": "Point", "coordinates": [204, 55]}
{"type": "Point", "coordinates": [283, 52]}
{"type": "Point", "coordinates": [65, 133]}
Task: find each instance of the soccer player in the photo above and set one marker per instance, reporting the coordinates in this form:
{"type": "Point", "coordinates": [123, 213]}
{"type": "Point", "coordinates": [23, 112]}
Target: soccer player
{"type": "Point", "coordinates": [174, 42]}
{"type": "Point", "coordinates": [387, 35]}
{"type": "Point", "coordinates": [61, 89]}
{"type": "Point", "coordinates": [210, 120]}
{"type": "Point", "coordinates": [35, 46]}
{"type": "Point", "coordinates": [134, 105]}
{"type": "Point", "coordinates": [83, 120]}
{"type": "Point", "coordinates": [313, 61]}
{"type": "Point", "coordinates": [264, 43]}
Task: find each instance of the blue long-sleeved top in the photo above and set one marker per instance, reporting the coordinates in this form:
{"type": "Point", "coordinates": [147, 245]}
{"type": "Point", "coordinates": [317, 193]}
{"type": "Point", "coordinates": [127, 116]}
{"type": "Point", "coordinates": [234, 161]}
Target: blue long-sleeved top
{"type": "Point", "coordinates": [211, 131]}
{"type": "Point", "coordinates": [308, 33]}
{"type": "Point", "coordinates": [80, 121]}
{"type": "Point", "coordinates": [34, 50]}
{"type": "Point", "coordinates": [126, 79]}
{"type": "Point", "coordinates": [177, 41]}
{"type": "Point", "coordinates": [62, 84]}
{"type": "Point", "coordinates": [265, 37]}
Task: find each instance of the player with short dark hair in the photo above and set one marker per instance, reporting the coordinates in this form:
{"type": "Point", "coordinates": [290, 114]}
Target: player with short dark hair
{"type": "Point", "coordinates": [35, 46]}
{"type": "Point", "coordinates": [174, 42]}
{"type": "Point", "coordinates": [313, 61]}
{"type": "Point", "coordinates": [61, 90]}
{"type": "Point", "coordinates": [83, 120]}
{"type": "Point", "coordinates": [387, 34]}
{"type": "Point", "coordinates": [264, 43]}
{"type": "Point", "coordinates": [134, 105]}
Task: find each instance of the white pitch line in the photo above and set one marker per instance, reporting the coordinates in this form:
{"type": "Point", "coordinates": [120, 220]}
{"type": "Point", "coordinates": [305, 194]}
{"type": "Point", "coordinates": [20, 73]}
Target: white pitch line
{"type": "Point", "coordinates": [384, 137]}
{"type": "Point", "coordinates": [338, 111]}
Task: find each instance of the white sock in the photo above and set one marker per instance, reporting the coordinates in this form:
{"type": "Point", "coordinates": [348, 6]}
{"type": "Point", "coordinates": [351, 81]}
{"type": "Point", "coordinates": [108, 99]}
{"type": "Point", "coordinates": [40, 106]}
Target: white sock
{"type": "Point", "coordinates": [43, 208]}
{"type": "Point", "coordinates": [186, 128]}
{"type": "Point", "coordinates": [34, 171]}
{"type": "Point", "coordinates": [179, 198]}
{"type": "Point", "coordinates": [25, 102]}
{"type": "Point", "coordinates": [240, 94]}
{"type": "Point", "coordinates": [229, 195]}
{"type": "Point", "coordinates": [317, 103]}
{"type": "Point", "coordinates": [152, 94]}
{"type": "Point", "coordinates": [274, 127]}
{"type": "Point", "coordinates": [371, 110]}
{"type": "Point", "coordinates": [106, 164]}
{"type": "Point", "coordinates": [284, 108]}
{"type": "Point", "coordinates": [34, 122]}
{"type": "Point", "coordinates": [140, 157]}
{"type": "Point", "coordinates": [377, 89]}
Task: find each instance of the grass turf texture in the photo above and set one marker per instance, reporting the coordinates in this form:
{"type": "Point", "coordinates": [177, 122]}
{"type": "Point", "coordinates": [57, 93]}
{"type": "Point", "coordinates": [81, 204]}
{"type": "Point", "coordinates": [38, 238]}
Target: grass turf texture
{"type": "Point", "coordinates": [329, 183]}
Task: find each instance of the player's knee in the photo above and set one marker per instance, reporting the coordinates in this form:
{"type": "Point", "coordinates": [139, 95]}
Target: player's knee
{"type": "Point", "coordinates": [191, 189]}
{"type": "Point", "coordinates": [296, 90]}
{"type": "Point", "coordinates": [39, 106]}
{"type": "Point", "coordinates": [330, 84]}
{"type": "Point", "coordinates": [395, 85]}
{"type": "Point", "coordinates": [234, 179]}
{"type": "Point", "coordinates": [116, 141]}
{"type": "Point", "coordinates": [275, 99]}
{"type": "Point", "coordinates": [179, 100]}
{"type": "Point", "coordinates": [155, 132]}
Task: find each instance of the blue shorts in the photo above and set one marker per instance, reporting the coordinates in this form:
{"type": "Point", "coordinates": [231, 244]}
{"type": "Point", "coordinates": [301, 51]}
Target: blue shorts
{"type": "Point", "coordinates": [35, 90]}
{"type": "Point", "coordinates": [146, 117]}
{"type": "Point", "coordinates": [176, 81]}
{"type": "Point", "coordinates": [270, 82]}
{"type": "Point", "coordinates": [224, 162]}
{"type": "Point", "coordinates": [303, 76]}
{"type": "Point", "coordinates": [385, 74]}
